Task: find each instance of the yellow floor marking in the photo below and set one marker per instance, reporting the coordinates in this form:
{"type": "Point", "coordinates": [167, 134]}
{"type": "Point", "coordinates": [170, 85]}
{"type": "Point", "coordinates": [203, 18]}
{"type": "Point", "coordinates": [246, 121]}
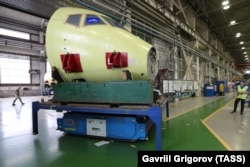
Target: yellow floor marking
{"type": "Point", "coordinates": [212, 131]}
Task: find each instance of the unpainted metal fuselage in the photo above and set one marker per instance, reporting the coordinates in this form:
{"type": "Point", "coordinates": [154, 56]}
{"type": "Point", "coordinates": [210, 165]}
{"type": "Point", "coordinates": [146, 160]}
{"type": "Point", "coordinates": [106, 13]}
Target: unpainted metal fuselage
{"type": "Point", "coordinates": [92, 43]}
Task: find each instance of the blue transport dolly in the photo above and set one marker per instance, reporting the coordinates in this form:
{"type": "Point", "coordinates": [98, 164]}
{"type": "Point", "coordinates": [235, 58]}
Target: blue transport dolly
{"type": "Point", "coordinates": [153, 112]}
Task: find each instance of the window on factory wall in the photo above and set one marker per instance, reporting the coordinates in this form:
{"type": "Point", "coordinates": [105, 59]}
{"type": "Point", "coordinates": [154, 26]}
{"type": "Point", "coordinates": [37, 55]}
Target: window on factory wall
{"type": "Point", "coordinates": [13, 33]}
{"type": "Point", "coordinates": [14, 70]}
{"type": "Point", "coordinates": [48, 67]}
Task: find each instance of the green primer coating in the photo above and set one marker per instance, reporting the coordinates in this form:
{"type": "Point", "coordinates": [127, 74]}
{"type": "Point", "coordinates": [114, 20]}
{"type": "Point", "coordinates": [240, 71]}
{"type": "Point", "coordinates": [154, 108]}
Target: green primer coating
{"type": "Point", "coordinates": [126, 92]}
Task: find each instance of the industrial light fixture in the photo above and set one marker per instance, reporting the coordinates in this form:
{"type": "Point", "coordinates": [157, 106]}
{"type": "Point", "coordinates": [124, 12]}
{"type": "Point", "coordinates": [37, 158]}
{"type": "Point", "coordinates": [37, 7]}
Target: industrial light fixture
{"type": "Point", "coordinates": [238, 35]}
{"type": "Point", "coordinates": [233, 22]}
{"type": "Point", "coordinates": [244, 52]}
{"type": "Point", "coordinates": [226, 2]}
{"type": "Point", "coordinates": [242, 47]}
{"type": "Point", "coordinates": [241, 42]}
{"type": "Point", "coordinates": [226, 7]}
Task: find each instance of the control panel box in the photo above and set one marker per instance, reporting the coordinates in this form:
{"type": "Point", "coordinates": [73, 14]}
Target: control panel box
{"type": "Point", "coordinates": [96, 127]}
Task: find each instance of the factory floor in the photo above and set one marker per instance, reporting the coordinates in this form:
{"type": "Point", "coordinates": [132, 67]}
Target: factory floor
{"type": "Point", "coordinates": [198, 123]}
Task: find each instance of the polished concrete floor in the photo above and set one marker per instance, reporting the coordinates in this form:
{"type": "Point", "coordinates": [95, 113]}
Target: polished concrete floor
{"type": "Point", "coordinates": [199, 123]}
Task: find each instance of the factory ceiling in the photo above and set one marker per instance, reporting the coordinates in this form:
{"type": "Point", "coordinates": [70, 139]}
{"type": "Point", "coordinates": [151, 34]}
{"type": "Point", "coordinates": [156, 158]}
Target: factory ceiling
{"type": "Point", "coordinates": [210, 11]}
{"type": "Point", "coordinates": [226, 23]}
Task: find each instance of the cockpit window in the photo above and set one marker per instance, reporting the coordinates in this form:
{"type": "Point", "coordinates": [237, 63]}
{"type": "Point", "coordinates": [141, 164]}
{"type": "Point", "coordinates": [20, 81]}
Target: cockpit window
{"type": "Point", "coordinates": [93, 20]}
{"type": "Point", "coordinates": [74, 19]}
{"type": "Point", "coordinates": [112, 22]}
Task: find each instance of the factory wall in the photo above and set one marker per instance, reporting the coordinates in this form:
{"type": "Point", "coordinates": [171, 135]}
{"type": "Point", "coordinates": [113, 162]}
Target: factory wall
{"type": "Point", "coordinates": [32, 51]}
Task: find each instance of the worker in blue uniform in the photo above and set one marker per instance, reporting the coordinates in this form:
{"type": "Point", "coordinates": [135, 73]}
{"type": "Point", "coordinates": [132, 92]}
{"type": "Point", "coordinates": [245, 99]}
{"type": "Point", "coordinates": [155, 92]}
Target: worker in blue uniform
{"type": "Point", "coordinates": [242, 93]}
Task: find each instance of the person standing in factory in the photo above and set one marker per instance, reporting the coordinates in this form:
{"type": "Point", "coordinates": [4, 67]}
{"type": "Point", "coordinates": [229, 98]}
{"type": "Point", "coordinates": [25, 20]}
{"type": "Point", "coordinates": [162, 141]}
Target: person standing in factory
{"type": "Point", "coordinates": [242, 92]}
{"type": "Point", "coordinates": [17, 94]}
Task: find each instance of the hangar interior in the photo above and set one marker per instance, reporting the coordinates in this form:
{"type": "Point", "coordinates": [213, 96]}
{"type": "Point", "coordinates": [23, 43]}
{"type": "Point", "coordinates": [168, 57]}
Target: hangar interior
{"type": "Point", "coordinates": [202, 41]}
{"type": "Point", "coordinates": [193, 39]}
